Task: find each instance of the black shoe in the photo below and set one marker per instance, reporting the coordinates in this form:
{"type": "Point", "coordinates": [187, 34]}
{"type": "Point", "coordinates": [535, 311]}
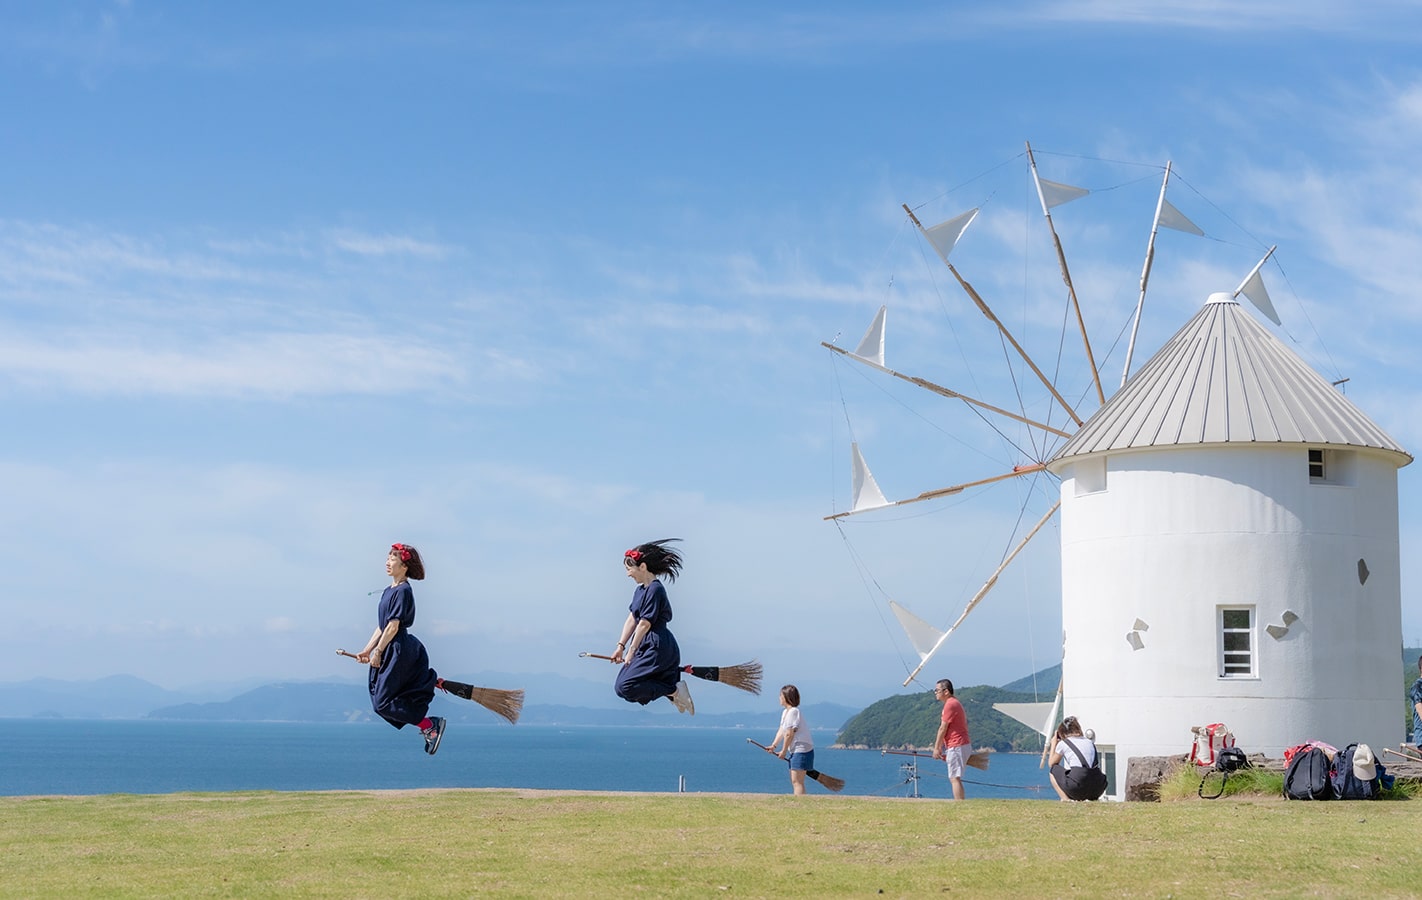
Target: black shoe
{"type": "Point", "coordinates": [433, 734]}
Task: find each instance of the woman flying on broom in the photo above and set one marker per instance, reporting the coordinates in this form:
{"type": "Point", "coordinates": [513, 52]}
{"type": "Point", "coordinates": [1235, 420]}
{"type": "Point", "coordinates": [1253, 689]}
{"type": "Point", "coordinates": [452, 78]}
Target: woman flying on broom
{"type": "Point", "coordinates": [402, 684]}
{"type": "Point", "coordinates": [647, 649]}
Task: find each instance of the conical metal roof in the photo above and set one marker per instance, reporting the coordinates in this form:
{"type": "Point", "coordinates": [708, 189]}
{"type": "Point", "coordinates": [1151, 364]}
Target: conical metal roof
{"type": "Point", "coordinates": [1224, 379]}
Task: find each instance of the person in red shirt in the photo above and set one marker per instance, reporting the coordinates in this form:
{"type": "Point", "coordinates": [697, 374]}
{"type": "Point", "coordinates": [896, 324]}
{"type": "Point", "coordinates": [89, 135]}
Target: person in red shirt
{"type": "Point", "coordinates": [952, 742]}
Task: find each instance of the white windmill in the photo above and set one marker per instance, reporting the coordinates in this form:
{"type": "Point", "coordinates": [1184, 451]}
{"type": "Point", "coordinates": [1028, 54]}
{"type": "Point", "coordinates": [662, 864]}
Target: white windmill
{"type": "Point", "coordinates": [1229, 533]}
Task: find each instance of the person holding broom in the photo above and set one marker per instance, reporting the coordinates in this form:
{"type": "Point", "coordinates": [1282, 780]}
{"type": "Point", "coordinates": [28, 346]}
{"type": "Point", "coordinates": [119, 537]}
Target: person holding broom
{"type": "Point", "coordinates": [646, 648]}
{"type": "Point", "coordinates": [402, 684]}
{"type": "Point", "coordinates": [794, 739]}
{"type": "Point", "coordinates": [952, 742]}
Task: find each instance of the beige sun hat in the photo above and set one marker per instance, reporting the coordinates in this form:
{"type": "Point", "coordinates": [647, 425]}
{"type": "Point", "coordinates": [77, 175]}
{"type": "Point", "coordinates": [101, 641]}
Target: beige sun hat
{"type": "Point", "coordinates": [1364, 766]}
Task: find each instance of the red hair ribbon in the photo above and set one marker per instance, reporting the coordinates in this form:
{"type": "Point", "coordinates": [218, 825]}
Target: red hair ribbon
{"type": "Point", "coordinates": [402, 550]}
{"type": "Point", "coordinates": [634, 554]}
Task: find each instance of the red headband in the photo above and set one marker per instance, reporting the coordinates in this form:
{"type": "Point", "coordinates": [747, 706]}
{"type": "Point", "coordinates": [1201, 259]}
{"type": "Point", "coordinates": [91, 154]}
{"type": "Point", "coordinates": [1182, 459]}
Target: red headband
{"type": "Point", "coordinates": [402, 550]}
{"type": "Point", "coordinates": [634, 554]}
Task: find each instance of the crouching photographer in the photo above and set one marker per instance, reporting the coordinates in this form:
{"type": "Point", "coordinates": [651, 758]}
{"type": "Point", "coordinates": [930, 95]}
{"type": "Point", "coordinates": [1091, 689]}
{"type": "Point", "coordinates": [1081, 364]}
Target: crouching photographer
{"type": "Point", "coordinates": [1075, 770]}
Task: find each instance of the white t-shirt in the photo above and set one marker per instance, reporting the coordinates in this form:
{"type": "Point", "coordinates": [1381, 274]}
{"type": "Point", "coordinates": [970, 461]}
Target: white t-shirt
{"type": "Point", "coordinates": [1070, 758]}
{"type": "Point", "coordinates": [791, 718]}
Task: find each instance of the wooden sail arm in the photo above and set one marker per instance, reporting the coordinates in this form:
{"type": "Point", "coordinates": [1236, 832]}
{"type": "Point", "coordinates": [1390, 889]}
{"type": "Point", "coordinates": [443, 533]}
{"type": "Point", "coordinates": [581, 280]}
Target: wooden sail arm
{"type": "Point", "coordinates": [1002, 329]}
{"type": "Point", "coordinates": [1066, 277]}
{"type": "Point", "coordinates": [946, 392]}
{"type": "Point", "coordinates": [945, 492]}
{"type": "Point", "coordinates": [1145, 276]}
{"type": "Point", "coordinates": [982, 592]}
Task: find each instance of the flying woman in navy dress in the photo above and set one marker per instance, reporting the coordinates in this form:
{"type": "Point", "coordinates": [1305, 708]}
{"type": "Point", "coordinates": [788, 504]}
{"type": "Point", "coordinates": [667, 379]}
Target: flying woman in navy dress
{"type": "Point", "coordinates": [647, 649]}
{"type": "Point", "coordinates": [402, 684]}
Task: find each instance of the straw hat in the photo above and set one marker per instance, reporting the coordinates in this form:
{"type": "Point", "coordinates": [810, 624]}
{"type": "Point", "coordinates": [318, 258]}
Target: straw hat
{"type": "Point", "coordinates": [1364, 766]}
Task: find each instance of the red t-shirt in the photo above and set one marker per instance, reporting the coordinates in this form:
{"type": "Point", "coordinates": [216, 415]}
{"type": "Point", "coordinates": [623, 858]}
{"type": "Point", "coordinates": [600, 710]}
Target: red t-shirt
{"type": "Point", "coordinates": [956, 719]}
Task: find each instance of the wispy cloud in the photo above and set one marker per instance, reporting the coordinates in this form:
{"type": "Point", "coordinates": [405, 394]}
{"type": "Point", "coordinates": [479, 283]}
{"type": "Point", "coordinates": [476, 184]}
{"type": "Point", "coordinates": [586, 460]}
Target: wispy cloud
{"type": "Point", "coordinates": [387, 245]}
{"type": "Point", "coordinates": [273, 365]}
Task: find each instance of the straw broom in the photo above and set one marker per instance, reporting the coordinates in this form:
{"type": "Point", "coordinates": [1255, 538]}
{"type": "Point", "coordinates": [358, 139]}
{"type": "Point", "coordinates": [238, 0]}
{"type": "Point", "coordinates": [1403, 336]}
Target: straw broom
{"type": "Point", "coordinates": [507, 704]}
{"type": "Point", "coordinates": [745, 676]}
{"type": "Point", "coordinates": [978, 759]}
{"type": "Point", "coordinates": [829, 781]}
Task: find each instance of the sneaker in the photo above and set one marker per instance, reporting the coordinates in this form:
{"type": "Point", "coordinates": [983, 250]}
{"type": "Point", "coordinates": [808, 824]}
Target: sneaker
{"type": "Point", "coordinates": [433, 734]}
{"type": "Point", "coordinates": [682, 699]}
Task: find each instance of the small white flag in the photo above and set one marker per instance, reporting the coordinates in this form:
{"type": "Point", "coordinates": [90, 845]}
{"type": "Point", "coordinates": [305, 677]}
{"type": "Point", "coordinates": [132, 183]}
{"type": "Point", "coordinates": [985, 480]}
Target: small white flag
{"type": "Point", "coordinates": [1254, 289]}
{"type": "Point", "coordinates": [1170, 217]}
{"type": "Point", "coordinates": [1055, 193]}
{"type": "Point", "coordinates": [944, 236]}
{"type": "Point", "coordinates": [871, 347]}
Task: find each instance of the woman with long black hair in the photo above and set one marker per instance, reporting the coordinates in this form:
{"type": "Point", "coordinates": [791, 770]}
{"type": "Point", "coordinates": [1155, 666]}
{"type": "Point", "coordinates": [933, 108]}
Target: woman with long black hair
{"type": "Point", "coordinates": [646, 648]}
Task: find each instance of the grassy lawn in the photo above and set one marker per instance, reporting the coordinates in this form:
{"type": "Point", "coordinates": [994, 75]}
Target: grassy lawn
{"type": "Point", "coordinates": [457, 843]}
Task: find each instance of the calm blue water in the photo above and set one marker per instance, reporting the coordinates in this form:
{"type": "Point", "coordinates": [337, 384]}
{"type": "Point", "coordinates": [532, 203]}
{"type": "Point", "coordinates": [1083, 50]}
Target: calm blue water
{"type": "Point", "coordinates": [41, 756]}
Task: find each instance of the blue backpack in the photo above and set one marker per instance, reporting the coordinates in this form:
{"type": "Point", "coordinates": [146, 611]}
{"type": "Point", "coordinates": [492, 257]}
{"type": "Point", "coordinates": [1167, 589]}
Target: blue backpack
{"type": "Point", "coordinates": [1307, 777]}
{"type": "Point", "coordinates": [1346, 783]}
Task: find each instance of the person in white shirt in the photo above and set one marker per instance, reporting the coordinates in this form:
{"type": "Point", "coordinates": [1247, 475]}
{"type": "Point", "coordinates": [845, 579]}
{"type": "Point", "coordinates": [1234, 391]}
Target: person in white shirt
{"type": "Point", "coordinates": [1074, 772]}
{"type": "Point", "coordinates": [794, 739]}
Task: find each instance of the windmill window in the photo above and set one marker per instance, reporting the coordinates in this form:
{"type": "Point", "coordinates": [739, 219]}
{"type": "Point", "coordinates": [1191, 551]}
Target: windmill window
{"type": "Point", "coordinates": [1328, 466]}
{"type": "Point", "coordinates": [1090, 476]}
{"type": "Point", "coordinates": [1236, 647]}
{"type": "Point", "coordinates": [1316, 471]}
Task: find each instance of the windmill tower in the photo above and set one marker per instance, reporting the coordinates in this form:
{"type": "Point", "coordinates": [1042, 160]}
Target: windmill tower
{"type": "Point", "coordinates": [1229, 529]}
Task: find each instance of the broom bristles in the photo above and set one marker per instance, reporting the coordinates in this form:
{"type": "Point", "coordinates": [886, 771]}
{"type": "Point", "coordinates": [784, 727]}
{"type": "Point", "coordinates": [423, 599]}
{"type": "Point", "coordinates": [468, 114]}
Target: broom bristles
{"type": "Point", "coordinates": [829, 781]}
{"type": "Point", "coordinates": [745, 676]}
{"type": "Point", "coordinates": [979, 760]}
{"type": "Point", "coordinates": [503, 703]}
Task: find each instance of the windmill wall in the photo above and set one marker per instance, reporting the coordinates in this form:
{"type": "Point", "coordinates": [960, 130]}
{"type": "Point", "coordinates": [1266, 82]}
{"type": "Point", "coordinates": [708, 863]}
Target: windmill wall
{"type": "Point", "coordinates": [1156, 541]}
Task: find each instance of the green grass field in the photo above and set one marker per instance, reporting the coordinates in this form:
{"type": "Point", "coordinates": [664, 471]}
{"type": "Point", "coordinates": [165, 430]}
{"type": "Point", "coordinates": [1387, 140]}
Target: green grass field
{"type": "Point", "coordinates": [459, 843]}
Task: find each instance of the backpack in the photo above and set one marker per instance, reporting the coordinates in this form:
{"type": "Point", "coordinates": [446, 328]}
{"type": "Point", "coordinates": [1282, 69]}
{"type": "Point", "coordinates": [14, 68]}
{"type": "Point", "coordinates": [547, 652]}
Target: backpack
{"type": "Point", "coordinates": [1346, 783]}
{"type": "Point", "coordinates": [1230, 759]}
{"type": "Point", "coordinates": [1088, 781]}
{"type": "Point", "coordinates": [1209, 740]}
{"type": "Point", "coordinates": [1307, 777]}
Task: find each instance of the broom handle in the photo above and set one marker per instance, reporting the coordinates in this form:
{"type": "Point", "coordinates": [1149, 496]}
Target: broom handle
{"type": "Point", "coordinates": [594, 655]}
{"type": "Point", "coordinates": [907, 753]}
{"type": "Point", "coordinates": [347, 653]}
{"type": "Point", "coordinates": [761, 746]}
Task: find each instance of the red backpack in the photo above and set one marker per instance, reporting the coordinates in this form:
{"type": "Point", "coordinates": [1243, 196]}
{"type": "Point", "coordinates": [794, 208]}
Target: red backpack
{"type": "Point", "coordinates": [1209, 741]}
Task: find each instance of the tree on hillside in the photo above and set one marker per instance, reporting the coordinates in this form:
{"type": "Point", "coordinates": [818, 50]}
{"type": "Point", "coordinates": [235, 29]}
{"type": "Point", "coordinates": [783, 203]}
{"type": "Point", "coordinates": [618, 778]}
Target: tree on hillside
{"type": "Point", "coordinates": [911, 720]}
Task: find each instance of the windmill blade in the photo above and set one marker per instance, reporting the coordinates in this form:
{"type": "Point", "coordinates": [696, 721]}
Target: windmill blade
{"type": "Point", "coordinates": [923, 636]}
{"type": "Point", "coordinates": [871, 347]}
{"type": "Point", "coordinates": [866, 494]}
{"type": "Point", "coordinates": [944, 236]}
{"type": "Point", "coordinates": [1061, 193]}
{"type": "Point", "coordinates": [1253, 288]}
{"type": "Point", "coordinates": [953, 395]}
{"type": "Point", "coordinates": [982, 592]}
{"type": "Point", "coordinates": [926, 495]}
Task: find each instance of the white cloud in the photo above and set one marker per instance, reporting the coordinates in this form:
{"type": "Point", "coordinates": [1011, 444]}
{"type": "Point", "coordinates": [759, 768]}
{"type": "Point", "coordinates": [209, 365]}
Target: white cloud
{"type": "Point", "coordinates": [271, 365]}
{"type": "Point", "coordinates": [387, 245]}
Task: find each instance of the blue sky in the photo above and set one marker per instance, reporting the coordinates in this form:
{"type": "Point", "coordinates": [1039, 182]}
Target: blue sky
{"type": "Point", "coordinates": [524, 285]}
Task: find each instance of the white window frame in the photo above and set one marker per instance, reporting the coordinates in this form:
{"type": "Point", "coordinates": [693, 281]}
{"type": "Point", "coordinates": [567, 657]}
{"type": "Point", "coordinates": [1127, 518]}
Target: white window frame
{"type": "Point", "coordinates": [1229, 660]}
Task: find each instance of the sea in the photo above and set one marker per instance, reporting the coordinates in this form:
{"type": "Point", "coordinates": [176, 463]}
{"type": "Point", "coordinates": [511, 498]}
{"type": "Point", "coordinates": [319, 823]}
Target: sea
{"type": "Point", "coordinates": [79, 757]}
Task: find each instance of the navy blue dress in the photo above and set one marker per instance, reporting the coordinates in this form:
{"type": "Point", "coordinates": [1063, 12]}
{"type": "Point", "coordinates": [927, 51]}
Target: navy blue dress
{"type": "Point", "coordinates": [656, 669]}
{"type": "Point", "coordinates": [402, 688]}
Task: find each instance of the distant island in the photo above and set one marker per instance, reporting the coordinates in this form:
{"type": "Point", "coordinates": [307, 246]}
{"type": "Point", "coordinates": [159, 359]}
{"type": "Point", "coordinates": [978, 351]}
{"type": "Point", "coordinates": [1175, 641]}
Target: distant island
{"type": "Point", "coordinates": [910, 721]}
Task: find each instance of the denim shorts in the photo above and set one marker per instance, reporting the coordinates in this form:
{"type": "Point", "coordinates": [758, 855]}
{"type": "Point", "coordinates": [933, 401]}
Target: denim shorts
{"type": "Point", "coordinates": [803, 762]}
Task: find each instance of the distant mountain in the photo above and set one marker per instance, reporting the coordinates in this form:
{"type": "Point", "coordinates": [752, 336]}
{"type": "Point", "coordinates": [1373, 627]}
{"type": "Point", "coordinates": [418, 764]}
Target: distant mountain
{"type": "Point", "coordinates": [345, 702]}
{"type": "Point", "coordinates": [320, 701]}
{"type": "Point", "coordinates": [1044, 683]}
{"type": "Point", "coordinates": [911, 720]}
{"type": "Point", "coordinates": [114, 697]}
